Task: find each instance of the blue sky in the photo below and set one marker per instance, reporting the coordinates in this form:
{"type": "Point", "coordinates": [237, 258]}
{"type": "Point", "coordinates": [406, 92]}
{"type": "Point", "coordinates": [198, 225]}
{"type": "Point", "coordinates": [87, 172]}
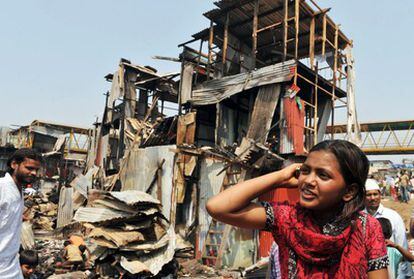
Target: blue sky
{"type": "Point", "coordinates": [54, 54]}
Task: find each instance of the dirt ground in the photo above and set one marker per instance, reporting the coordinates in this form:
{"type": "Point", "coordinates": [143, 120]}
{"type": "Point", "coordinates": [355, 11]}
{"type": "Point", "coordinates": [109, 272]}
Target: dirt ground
{"type": "Point", "coordinates": [404, 209]}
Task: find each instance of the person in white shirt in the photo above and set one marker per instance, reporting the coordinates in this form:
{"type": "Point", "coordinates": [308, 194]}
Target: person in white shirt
{"type": "Point", "coordinates": [374, 207]}
{"type": "Point", "coordinates": [23, 167]}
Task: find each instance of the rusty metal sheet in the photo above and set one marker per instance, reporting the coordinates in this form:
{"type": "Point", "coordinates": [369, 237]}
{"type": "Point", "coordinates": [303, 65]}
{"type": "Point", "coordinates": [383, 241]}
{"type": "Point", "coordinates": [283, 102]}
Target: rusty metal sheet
{"type": "Point", "coordinates": [133, 197]}
{"type": "Point", "coordinates": [214, 91]}
{"type": "Point", "coordinates": [152, 262]}
{"type": "Point", "coordinates": [140, 168]}
{"type": "Point", "coordinates": [65, 209]}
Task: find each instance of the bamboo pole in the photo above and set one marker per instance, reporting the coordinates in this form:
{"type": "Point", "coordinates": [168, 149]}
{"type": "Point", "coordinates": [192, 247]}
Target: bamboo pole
{"type": "Point", "coordinates": [315, 120]}
{"type": "Point", "coordinates": [210, 49]}
{"type": "Point", "coordinates": [254, 33]}
{"type": "Point", "coordinates": [334, 79]}
{"type": "Point", "coordinates": [198, 62]}
{"type": "Point", "coordinates": [321, 88]}
{"type": "Point", "coordinates": [297, 15]}
{"type": "Point", "coordinates": [285, 28]}
{"type": "Point", "coordinates": [312, 43]}
{"type": "Point", "coordinates": [225, 43]}
{"type": "Point", "coordinates": [324, 34]}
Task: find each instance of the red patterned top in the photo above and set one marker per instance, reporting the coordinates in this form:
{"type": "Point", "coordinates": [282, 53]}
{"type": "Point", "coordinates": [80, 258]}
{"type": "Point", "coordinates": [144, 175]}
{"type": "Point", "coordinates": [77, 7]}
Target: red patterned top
{"type": "Point", "coordinates": [308, 251]}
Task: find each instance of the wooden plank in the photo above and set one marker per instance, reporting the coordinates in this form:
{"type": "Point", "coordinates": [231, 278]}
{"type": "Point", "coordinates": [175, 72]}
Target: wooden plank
{"type": "Point", "coordinates": [263, 111]}
{"type": "Point", "coordinates": [186, 128]}
{"type": "Point", "coordinates": [186, 82]}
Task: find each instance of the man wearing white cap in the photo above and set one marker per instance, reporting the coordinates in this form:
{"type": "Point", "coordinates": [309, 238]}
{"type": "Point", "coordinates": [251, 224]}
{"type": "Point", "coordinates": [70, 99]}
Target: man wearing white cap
{"type": "Point", "coordinates": [374, 207]}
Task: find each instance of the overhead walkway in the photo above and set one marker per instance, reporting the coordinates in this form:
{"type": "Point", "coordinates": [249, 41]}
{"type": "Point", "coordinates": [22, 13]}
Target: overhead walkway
{"type": "Point", "coordinates": [381, 138]}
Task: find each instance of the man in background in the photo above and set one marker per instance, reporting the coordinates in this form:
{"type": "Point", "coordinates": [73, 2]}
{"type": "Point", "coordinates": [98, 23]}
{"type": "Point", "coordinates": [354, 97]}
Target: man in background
{"type": "Point", "coordinates": [374, 207]}
{"type": "Point", "coordinates": [23, 167]}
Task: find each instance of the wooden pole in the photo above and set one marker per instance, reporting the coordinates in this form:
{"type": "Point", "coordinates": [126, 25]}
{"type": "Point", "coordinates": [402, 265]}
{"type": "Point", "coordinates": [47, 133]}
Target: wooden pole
{"type": "Point", "coordinates": [297, 15]}
{"type": "Point", "coordinates": [334, 79]}
{"type": "Point", "coordinates": [195, 81]}
{"type": "Point", "coordinates": [210, 49]}
{"type": "Point", "coordinates": [315, 119]}
{"type": "Point", "coordinates": [254, 33]}
{"type": "Point", "coordinates": [285, 28]}
{"type": "Point", "coordinates": [324, 34]}
{"type": "Point", "coordinates": [312, 43]}
{"type": "Point", "coordinates": [225, 43]}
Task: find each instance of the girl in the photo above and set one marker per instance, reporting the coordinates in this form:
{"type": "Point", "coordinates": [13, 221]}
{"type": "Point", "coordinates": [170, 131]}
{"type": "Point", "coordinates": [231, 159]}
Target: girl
{"type": "Point", "coordinates": [325, 235]}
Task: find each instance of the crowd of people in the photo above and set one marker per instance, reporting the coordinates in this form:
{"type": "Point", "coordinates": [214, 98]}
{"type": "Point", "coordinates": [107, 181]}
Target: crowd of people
{"type": "Point", "coordinates": [399, 187]}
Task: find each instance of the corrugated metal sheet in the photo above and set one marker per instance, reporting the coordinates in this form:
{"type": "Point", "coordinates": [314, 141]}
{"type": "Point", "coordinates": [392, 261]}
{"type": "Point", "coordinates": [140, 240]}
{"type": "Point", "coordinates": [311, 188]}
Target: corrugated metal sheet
{"type": "Point", "coordinates": [214, 91]}
{"type": "Point", "coordinates": [27, 236]}
{"type": "Point", "coordinates": [293, 131]}
{"type": "Point", "coordinates": [152, 262]}
{"type": "Point", "coordinates": [209, 185]}
{"type": "Point", "coordinates": [270, 11]}
{"type": "Point", "coordinates": [140, 169]}
{"type": "Point", "coordinates": [134, 197]}
{"type": "Point", "coordinates": [82, 183]}
{"type": "Point", "coordinates": [65, 209]}
{"type": "Point", "coordinates": [95, 215]}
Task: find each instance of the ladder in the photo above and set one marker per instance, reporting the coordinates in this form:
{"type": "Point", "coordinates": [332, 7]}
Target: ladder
{"type": "Point", "coordinates": [218, 232]}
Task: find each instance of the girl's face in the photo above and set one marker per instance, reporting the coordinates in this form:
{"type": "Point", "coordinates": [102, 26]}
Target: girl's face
{"type": "Point", "coordinates": [321, 184]}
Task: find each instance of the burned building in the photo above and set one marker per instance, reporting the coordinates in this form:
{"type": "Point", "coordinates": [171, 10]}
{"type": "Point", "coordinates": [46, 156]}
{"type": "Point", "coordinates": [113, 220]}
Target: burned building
{"type": "Point", "coordinates": [65, 147]}
{"type": "Point", "coordinates": [257, 89]}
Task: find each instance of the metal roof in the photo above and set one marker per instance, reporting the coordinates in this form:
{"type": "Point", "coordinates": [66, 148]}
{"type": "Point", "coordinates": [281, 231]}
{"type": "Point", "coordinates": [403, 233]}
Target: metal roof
{"type": "Point", "coordinates": [241, 14]}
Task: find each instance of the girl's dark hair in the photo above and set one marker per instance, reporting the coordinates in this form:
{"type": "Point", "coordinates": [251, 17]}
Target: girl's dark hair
{"type": "Point", "coordinates": [354, 167]}
{"type": "Point", "coordinates": [386, 227]}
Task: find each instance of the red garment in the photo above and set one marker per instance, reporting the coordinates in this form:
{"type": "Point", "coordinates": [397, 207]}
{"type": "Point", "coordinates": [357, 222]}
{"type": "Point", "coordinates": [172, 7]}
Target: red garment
{"type": "Point", "coordinates": [307, 251]}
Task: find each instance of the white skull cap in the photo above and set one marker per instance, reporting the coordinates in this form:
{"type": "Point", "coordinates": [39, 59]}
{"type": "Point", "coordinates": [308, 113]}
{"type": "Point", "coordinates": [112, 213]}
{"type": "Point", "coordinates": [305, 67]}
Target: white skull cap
{"type": "Point", "coordinates": [371, 184]}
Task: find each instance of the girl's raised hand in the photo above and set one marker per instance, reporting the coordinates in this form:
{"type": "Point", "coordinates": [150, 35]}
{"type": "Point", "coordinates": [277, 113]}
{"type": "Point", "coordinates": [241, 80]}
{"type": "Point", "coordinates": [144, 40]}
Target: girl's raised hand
{"type": "Point", "coordinates": [290, 176]}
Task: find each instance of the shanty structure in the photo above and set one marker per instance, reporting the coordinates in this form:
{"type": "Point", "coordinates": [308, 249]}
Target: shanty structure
{"type": "Point", "coordinates": [257, 89]}
{"type": "Point", "coordinates": [66, 147]}
{"type": "Point", "coordinates": [264, 74]}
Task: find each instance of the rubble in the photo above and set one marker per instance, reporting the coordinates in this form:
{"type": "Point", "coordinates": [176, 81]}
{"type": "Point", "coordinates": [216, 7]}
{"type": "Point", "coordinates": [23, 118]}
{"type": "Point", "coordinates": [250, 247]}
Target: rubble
{"type": "Point", "coordinates": [41, 212]}
{"type": "Point", "coordinates": [131, 234]}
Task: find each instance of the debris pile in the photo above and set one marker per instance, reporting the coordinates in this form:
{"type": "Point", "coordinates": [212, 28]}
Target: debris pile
{"type": "Point", "coordinates": [41, 212]}
{"type": "Point", "coordinates": [50, 252]}
{"type": "Point", "coordinates": [131, 235]}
